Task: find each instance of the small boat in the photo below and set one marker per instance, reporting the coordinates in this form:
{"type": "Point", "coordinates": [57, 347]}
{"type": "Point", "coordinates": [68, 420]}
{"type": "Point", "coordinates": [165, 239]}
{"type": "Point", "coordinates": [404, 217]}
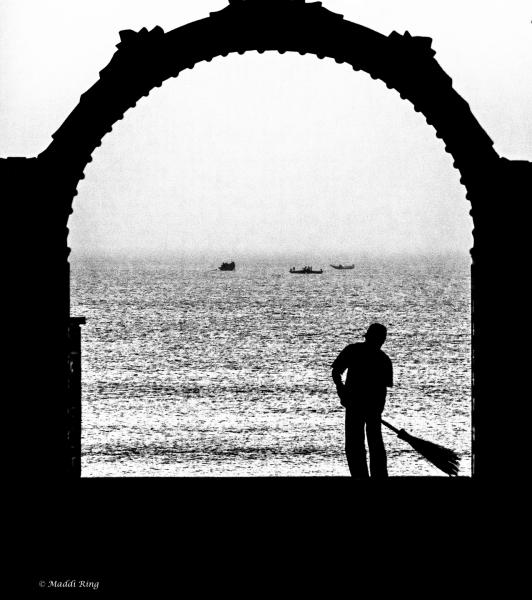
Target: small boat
{"type": "Point", "coordinates": [306, 270]}
{"type": "Point", "coordinates": [343, 266]}
{"type": "Point", "coordinates": [227, 266]}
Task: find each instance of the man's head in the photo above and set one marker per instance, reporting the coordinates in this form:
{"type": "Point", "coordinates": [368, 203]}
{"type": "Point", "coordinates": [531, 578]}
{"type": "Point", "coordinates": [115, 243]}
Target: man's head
{"type": "Point", "coordinates": [376, 335]}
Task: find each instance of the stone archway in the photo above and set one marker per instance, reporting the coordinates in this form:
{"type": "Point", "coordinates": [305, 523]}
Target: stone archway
{"type": "Point", "coordinates": [145, 59]}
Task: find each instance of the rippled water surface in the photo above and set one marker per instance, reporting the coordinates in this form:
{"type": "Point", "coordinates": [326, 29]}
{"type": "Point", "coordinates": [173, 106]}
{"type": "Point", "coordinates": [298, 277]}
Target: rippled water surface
{"type": "Point", "coordinates": [189, 371]}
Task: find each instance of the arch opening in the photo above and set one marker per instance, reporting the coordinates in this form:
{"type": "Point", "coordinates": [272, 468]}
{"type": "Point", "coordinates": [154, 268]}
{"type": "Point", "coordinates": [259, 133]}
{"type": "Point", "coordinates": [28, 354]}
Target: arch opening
{"type": "Point", "coordinates": [192, 391]}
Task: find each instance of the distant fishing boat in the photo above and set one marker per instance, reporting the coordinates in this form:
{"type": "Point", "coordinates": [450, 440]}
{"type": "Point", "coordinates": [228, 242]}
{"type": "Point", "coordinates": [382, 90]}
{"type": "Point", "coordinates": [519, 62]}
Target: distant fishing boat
{"type": "Point", "coordinates": [343, 266]}
{"type": "Point", "coordinates": [306, 270]}
{"type": "Point", "coordinates": [227, 266]}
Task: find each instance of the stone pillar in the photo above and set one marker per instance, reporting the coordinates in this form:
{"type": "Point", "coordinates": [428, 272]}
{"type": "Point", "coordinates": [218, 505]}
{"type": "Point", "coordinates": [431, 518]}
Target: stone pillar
{"type": "Point", "coordinates": [39, 291]}
{"type": "Point", "coordinates": [500, 321]}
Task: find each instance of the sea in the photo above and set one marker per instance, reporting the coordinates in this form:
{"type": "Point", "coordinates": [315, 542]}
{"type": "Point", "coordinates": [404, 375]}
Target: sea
{"type": "Point", "coordinates": [188, 371]}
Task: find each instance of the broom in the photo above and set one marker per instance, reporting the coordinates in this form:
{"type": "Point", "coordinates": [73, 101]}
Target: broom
{"type": "Point", "coordinates": [443, 458]}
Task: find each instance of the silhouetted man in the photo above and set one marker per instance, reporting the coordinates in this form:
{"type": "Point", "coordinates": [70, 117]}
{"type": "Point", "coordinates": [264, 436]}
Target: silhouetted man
{"type": "Point", "coordinates": [369, 373]}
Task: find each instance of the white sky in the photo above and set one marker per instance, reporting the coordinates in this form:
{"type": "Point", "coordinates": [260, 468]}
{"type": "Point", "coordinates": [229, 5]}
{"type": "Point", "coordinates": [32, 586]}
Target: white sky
{"type": "Point", "coordinates": [266, 152]}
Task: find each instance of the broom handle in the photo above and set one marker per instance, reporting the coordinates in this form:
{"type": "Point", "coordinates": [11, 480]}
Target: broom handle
{"type": "Point", "coordinates": [390, 426]}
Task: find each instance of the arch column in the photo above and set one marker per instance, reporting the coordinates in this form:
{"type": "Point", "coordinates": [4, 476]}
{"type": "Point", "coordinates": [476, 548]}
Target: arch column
{"type": "Point", "coordinates": [500, 307]}
{"type": "Point", "coordinates": [39, 316]}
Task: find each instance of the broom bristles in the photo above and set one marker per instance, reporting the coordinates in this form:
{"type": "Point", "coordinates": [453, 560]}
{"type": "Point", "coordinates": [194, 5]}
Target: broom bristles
{"type": "Point", "coordinates": [445, 459]}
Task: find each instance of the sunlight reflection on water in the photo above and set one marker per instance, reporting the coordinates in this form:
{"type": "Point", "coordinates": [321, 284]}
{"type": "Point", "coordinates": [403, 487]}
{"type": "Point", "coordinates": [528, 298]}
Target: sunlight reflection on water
{"type": "Point", "coordinates": [194, 372]}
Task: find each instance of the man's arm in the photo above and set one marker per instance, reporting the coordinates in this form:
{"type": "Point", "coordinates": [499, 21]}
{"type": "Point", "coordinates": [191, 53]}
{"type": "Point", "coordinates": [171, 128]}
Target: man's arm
{"type": "Point", "coordinates": [389, 374]}
{"type": "Point", "coordinates": [338, 367]}
{"type": "Point", "coordinates": [337, 376]}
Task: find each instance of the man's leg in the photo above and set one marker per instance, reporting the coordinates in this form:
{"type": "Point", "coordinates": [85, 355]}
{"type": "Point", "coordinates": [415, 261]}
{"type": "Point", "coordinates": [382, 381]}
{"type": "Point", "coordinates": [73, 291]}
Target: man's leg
{"type": "Point", "coordinates": [377, 452]}
{"type": "Point", "coordinates": [355, 448]}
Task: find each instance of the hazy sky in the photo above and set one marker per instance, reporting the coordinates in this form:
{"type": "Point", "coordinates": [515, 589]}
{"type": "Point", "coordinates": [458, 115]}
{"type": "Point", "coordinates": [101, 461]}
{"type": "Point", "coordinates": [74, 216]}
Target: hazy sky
{"type": "Point", "coordinates": [266, 152]}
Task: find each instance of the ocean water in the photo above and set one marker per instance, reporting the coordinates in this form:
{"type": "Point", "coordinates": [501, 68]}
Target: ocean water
{"type": "Point", "coordinates": [189, 371]}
